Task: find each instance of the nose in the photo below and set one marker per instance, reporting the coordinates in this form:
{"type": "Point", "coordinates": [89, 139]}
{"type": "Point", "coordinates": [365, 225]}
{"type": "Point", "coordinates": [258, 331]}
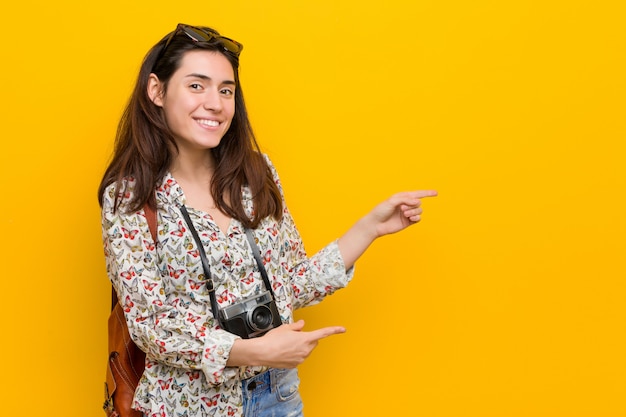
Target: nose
{"type": "Point", "coordinates": [213, 101]}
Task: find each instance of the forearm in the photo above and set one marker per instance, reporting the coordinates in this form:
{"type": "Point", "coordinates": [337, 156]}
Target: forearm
{"type": "Point", "coordinates": [356, 240]}
{"type": "Point", "coordinates": [246, 352]}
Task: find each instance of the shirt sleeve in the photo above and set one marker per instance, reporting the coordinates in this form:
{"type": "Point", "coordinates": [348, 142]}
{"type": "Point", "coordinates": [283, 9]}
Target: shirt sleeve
{"type": "Point", "coordinates": [167, 329]}
{"type": "Point", "coordinates": [312, 278]}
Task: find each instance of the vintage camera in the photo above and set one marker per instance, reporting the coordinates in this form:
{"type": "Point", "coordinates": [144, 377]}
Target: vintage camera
{"type": "Point", "coordinates": [251, 317]}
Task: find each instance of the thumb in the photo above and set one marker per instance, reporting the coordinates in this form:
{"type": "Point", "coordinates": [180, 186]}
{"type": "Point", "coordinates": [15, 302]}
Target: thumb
{"type": "Point", "coordinates": [297, 326]}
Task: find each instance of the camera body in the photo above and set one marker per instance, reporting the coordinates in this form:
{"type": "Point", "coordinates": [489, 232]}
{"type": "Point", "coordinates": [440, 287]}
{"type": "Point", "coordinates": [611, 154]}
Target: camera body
{"type": "Point", "coordinates": [251, 317]}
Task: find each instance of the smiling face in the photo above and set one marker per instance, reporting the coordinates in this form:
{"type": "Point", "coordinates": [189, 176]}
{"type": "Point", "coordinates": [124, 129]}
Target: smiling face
{"type": "Point", "coordinates": [199, 103]}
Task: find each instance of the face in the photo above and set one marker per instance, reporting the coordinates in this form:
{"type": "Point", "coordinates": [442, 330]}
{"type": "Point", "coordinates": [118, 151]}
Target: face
{"type": "Point", "coordinates": [199, 104]}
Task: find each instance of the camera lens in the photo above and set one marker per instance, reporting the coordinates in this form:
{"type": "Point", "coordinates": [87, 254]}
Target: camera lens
{"type": "Point", "coordinates": [260, 318]}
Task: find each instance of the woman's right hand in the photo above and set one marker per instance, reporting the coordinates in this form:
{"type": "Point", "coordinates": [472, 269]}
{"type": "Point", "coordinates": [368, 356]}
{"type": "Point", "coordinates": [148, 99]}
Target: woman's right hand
{"type": "Point", "coordinates": [286, 346]}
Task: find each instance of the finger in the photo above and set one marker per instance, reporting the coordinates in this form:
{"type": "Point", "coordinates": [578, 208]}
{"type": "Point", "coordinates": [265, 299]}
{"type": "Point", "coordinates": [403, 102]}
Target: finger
{"type": "Point", "coordinates": [327, 331]}
{"type": "Point", "coordinates": [297, 326]}
{"type": "Point", "coordinates": [412, 211]}
{"type": "Point", "coordinates": [423, 193]}
{"type": "Point", "coordinates": [411, 198]}
{"type": "Point", "coordinates": [407, 208]}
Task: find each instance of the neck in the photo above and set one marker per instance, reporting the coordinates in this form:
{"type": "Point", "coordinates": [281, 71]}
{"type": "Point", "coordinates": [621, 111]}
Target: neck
{"type": "Point", "coordinates": [193, 166]}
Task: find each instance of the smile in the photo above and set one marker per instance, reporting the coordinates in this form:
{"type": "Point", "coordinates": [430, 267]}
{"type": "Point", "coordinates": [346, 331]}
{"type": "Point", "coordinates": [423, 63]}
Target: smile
{"type": "Point", "coordinates": [206, 122]}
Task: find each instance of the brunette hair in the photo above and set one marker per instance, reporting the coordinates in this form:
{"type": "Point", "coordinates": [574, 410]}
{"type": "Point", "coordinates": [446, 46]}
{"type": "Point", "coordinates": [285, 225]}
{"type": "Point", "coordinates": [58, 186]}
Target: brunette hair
{"type": "Point", "coordinates": [144, 143]}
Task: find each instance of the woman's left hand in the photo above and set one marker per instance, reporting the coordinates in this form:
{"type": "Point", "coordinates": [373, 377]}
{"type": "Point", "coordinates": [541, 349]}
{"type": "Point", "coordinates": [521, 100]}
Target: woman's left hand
{"type": "Point", "coordinates": [399, 211]}
{"type": "Point", "coordinates": [392, 215]}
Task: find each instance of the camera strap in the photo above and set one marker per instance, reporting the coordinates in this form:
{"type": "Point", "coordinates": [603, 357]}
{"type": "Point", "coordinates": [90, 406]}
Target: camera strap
{"type": "Point", "coordinates": [257, 257]}
{"type": "Point", "coordinates": [205, 262]}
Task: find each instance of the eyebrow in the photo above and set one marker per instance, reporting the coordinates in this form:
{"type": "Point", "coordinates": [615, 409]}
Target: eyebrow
{"type": "Point", "coordinates": [206, 77]}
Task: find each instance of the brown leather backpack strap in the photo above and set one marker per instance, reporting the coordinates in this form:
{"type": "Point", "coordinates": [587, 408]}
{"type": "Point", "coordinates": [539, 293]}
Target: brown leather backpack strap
{"type": "Point", "coordinates": [151, 217]}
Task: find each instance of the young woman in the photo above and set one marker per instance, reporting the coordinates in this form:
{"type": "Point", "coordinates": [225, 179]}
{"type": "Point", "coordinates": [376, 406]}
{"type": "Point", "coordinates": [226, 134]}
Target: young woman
{"type": "Point", "coordinates": [185, 150]}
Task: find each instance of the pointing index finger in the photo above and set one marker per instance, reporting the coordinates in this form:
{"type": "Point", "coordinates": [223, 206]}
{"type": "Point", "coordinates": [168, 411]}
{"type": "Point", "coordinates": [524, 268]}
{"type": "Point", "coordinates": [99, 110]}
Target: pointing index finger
{"type": "Point", "coordinates": [327, 331]}
{"type": "Point", "coordinates": [424, 193]}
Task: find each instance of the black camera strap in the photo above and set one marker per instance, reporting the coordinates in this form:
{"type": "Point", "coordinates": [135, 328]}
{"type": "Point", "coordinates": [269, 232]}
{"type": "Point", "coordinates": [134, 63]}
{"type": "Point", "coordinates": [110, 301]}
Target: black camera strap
{"type": "Point", "coordinates": [257, 257]}
{"type": "Point", "coordinates": [205, 262]}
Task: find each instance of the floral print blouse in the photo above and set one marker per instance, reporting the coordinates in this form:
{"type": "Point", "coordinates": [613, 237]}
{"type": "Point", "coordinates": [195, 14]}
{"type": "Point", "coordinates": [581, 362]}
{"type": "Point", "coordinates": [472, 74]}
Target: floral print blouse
{"type": "Point", "coordinates": [160, 287]}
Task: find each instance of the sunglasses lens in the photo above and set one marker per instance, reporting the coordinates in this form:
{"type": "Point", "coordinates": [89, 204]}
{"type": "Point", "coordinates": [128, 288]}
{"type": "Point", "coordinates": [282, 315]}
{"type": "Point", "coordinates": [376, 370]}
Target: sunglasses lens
{"type": "Point", "coordinates": [201, 35]}
{"type": "Point", "coordinates": [231, 45]}
{"type": "Point", "coordinates": [196, 34]}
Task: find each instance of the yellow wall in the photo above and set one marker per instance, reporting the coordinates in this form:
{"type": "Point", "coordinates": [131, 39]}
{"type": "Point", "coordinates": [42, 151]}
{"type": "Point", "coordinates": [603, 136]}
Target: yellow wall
{"type": "Point", "coordinates": [507, 300]}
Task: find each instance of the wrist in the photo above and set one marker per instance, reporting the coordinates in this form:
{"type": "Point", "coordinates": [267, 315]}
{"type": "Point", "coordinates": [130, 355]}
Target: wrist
{"type": "Point", "coordinates": [246, 352]}
{"type": "Point", "coordinates": [368, 229]}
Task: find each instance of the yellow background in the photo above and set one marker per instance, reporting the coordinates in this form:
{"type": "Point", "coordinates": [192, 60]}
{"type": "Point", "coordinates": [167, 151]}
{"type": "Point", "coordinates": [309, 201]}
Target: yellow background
{"type": "Point", "coordinates": [508, 298]}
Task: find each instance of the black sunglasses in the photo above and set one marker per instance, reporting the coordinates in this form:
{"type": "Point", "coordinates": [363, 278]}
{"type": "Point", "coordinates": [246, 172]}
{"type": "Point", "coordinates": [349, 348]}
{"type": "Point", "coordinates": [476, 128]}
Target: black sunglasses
{"type": "Point", "coordinates": [198, 34]}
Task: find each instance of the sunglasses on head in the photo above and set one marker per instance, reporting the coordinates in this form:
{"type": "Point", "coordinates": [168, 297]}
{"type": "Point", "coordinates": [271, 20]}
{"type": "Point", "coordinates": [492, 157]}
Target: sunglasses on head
{"type": "Point", "coordinates": [198, 34]}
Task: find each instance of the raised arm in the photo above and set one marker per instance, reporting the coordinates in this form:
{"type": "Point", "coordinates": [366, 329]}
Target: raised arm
{"type": "Point", "coordinates": [289, 345]}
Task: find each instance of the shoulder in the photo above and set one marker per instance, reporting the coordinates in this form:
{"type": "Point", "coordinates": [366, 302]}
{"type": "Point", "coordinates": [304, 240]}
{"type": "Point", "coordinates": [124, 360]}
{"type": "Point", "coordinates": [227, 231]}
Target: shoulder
{"type": "Point", "coordinates": [274, 173]}
{"type": "Point", "coordinates": [119, 194]}
{"type": "Point", "coordinates": [271, 167]}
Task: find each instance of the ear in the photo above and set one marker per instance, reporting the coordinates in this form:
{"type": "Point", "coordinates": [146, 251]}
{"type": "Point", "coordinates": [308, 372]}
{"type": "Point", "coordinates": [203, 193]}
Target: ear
{"type": "Point", "coordinates": [155, 90]}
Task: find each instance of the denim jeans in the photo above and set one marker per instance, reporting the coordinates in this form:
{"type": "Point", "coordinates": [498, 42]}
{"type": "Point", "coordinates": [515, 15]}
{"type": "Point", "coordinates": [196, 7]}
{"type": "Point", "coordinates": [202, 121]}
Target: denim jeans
{"type": "Point", "coordinates": [273, 393]}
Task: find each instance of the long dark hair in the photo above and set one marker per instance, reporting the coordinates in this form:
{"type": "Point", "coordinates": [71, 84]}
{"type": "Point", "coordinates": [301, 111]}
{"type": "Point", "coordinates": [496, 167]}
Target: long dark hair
{"type": "Point", "coordinates": [144, 144]}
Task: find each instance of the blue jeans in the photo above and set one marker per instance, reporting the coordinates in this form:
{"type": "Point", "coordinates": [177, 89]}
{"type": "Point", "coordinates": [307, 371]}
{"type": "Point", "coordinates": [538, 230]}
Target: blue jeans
{"type": "Point", "coordinates": [273, 393]}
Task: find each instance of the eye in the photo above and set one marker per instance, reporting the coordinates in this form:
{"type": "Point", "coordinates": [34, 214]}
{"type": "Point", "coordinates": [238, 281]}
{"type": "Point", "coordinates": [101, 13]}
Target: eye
{"type": "Point", "coordinates": [195, 86]}
{"type": "Point", "coordinates": [227, 91]}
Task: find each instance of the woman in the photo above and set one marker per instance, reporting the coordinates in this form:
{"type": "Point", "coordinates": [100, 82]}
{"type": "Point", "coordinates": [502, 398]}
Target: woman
{"type": "Point", "coordinates": [185, 148]}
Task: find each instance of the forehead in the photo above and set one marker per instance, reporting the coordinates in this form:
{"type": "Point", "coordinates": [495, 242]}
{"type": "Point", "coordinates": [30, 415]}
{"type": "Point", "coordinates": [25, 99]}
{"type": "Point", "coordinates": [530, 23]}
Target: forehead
{"type": "Point", "coordinates": [211, 64]}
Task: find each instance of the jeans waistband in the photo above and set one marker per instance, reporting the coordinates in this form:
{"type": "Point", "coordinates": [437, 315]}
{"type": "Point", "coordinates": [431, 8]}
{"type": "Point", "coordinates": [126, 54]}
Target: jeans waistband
{"type": "Point", "coordinates": [260, 382]}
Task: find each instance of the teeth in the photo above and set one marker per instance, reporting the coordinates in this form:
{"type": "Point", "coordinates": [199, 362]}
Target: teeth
{"type": "Point", "coordinates": [212, 123]}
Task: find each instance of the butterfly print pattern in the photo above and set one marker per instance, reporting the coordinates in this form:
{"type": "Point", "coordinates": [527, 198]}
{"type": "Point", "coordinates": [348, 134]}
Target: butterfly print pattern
{"type": "Point", "coordinates": [166, 301]}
